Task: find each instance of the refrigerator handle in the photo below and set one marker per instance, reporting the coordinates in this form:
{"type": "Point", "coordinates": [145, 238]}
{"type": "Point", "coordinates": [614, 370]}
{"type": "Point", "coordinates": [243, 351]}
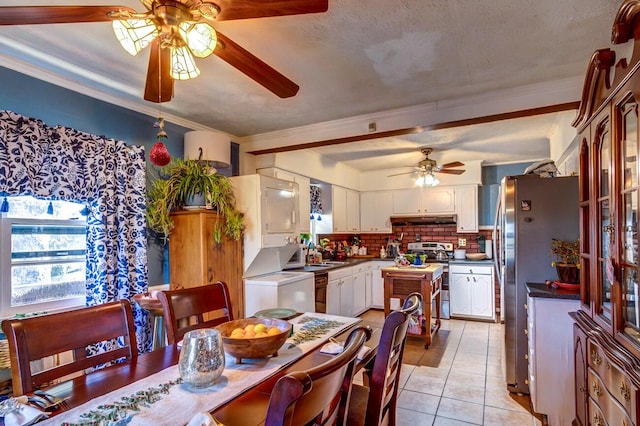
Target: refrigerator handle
{"type": "Point", "coordinates": [496, 221]}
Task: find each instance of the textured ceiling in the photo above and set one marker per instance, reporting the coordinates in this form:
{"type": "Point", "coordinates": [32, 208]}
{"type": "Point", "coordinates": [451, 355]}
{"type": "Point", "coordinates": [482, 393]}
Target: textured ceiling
{"type": "Point", "coordinates": [361, 57]}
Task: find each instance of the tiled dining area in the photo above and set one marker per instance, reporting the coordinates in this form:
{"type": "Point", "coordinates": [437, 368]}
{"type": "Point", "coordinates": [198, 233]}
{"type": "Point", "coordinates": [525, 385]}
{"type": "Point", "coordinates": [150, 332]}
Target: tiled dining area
{"type": "Point", "coordinates": [458, 381]}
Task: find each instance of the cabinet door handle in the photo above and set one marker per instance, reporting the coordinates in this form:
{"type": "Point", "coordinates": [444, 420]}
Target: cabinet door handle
{"type": "Point", "coordinates": [595, 357]}
{"type": "Point", "coordinates": [596, 389]}
{"type": "Point", "coordinates": [210, 274]}
{"type": "Point", "coordinates": [467, 279]}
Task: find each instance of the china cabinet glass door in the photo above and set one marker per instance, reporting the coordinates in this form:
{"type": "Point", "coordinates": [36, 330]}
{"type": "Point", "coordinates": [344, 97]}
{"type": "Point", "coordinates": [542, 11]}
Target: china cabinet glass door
{"type": "Point", "coordinates": [630, 321]}
{"type": "Point", "coordinates": [605, 268]}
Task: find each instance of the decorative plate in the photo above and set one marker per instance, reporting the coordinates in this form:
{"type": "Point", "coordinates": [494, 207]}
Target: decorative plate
{"type": "Point", "coordinates": [277, 313]}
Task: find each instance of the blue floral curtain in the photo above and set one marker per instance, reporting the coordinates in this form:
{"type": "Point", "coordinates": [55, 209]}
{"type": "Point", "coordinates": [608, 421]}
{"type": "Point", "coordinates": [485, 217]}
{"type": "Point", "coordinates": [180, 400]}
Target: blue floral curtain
{"type": "Point", "coordinates": [109, 176]}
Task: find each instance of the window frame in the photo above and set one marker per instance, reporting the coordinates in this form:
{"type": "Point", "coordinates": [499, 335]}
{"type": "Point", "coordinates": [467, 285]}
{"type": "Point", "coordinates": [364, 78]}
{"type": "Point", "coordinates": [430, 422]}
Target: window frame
{"type": "Point", "coordinates": [6, 262]}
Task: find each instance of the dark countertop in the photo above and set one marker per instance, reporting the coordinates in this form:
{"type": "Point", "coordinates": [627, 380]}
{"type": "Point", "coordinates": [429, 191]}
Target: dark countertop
{"type": "Point", "coordinates": [542, 290]}
{"type": "Point", "coordinates": [487, 262]}
{"type": "Point", "coordinates": [350, 261]}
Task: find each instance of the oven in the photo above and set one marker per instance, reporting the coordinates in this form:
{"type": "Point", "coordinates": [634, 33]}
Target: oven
{"type": "Point", "coordinates": [431, 249]}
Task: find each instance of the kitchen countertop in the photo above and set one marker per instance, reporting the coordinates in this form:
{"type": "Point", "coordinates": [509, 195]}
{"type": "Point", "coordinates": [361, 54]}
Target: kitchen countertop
{"type": "Point", "coordinates": [350, 261]}
{"type": "Point", "coordinates": [544, 291]}
{"type": "Point", "coordinates": [475, 262]}
{"type": "Point", "coordinates": [435, 269]}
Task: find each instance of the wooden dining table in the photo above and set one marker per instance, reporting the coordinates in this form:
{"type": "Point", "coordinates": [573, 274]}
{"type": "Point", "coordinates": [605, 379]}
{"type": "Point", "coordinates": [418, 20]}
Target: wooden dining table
{"type": "Point", "coordinates": [247, 408]}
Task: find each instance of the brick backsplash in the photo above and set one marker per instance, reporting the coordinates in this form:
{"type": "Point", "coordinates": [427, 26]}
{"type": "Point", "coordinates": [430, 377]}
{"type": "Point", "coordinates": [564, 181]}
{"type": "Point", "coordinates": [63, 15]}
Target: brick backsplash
{"type": "Point", "coordinates": [438, 233]}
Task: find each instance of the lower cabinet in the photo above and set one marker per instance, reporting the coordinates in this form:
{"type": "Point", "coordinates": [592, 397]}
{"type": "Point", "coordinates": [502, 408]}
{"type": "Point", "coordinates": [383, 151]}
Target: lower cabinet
{"type": "Point", "coordinates": [550, 331]}
{"type": "Point", "coordinates": [340, 292]}
{"type": "Point", "coordinates": [471, 291]}
{"type": "Point", "coordinates": [359, 290]}
{"type": "Point", "coordinates": [377, 283]}
{"type": "Point", "coordinates": [607, 378]}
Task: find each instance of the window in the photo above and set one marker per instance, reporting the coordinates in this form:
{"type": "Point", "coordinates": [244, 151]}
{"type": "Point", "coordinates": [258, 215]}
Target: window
{"type": "Point", "coordinates": [43, 249]}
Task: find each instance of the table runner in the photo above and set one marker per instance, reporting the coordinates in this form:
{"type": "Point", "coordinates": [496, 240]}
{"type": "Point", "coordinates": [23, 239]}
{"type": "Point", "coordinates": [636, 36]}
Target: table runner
{"type": "Point", "coordinates": [161, 399]}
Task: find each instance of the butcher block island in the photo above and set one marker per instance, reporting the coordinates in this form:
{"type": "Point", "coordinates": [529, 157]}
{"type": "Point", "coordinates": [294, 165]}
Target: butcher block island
{"type": "Point", "coordinates": [426, 279]}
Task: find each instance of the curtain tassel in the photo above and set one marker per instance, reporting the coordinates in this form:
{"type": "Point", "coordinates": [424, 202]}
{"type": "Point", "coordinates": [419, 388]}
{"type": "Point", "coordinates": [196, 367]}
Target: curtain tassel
{"type": "Point", "coordinates": [5, 206]}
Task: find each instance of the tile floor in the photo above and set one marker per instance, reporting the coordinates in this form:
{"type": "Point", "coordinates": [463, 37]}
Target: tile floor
{"type": "Point", "coordinates": [459, 380]}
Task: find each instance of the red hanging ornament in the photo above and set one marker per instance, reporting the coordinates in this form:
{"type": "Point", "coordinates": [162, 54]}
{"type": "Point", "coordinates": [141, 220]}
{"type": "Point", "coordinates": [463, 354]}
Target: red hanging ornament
{"type": "Point", "coordinates": [159, 155]}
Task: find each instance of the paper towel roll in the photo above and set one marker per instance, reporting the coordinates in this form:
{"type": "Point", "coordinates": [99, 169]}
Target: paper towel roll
{"type": "Point", "coordinates": [488, 249]}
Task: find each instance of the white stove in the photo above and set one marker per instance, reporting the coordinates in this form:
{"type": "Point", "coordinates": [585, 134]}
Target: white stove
{"type": "Point", "coordinates": [430, 248]}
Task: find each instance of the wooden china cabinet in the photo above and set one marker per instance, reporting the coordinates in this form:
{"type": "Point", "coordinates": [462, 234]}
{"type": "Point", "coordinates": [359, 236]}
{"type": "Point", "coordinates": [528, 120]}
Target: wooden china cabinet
{"type": "Point", "coordinates": [195, 258]}
{"type": "Point", "coordinates": [607, 327]}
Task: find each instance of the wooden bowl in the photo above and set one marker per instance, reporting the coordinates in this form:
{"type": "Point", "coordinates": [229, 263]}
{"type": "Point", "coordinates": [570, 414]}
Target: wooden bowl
{"type": "Point", "coordinates": [253, 347]}
{"type": "Point", "coordinates": [476, 256]}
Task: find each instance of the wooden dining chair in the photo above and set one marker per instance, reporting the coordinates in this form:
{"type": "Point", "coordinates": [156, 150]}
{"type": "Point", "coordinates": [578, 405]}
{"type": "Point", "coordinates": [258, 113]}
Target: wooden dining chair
{"type": "Point", "coordinates": [55, 335]}
{"type": "Point", "coordinates": [196, 307]}
{"type": "Point", "coordinates": [376, 404]}
{"type": "Point", "coordinates": [318, 396]}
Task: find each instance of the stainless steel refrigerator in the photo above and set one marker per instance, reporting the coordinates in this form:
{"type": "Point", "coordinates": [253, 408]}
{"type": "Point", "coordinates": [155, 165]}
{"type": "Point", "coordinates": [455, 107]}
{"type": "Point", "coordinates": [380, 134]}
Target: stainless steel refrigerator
{"type": "Point", "coordinates": [531, 211]}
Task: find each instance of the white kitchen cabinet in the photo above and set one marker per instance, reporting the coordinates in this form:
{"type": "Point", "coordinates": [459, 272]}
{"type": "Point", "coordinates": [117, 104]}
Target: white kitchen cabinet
{"type": "Point", "coordinates": [471, 291]}
{"type": "Point", "coordinates": [353, 211]}
{"type": "Point", "coordinates": [377, 282]}
{"type": "Point", "coordinates": [345, 212]}
{"type": "Point", "coordinates": [551, 361]}
{"type": "Point", "coordinates": [359, 290]}
{"type": "Point", "coordinates": [439, 200]}
{"type": "Point", "coordinates": [368, 282]}
{"type": "Point", "coordinates": [376, 207]}
{"type": "Point", "coordinates": [304, 196]}
{"type": "Point", "coordinates": [340, 292]}
{"type": "Point", "coordinates": [466, 208]}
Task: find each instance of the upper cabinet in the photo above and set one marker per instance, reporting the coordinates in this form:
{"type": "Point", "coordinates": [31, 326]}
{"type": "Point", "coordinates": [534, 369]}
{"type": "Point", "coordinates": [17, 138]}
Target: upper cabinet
{"type": "Point", "coordinates": [467, 208]}
{"type": "Point", "coordinates": [446, 200]}
{"type": "Point", "coordinates": [439, 200]}
{"type": "Point", "coordinates": [304, 184]}
{"type": "Point", "coordinates": [376, 208]}
{"type": "Point", "coordinates": [345, 209]}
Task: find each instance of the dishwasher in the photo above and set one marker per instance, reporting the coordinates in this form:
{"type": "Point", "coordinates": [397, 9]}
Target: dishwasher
{"type": "Point", "coordinates": [321, 280]}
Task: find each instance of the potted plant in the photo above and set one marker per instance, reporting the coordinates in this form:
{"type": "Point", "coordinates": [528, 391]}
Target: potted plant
{"type": "Point", "coordinates": [184, 179]}
{"type": "Point", "coordinates": [567, 263]}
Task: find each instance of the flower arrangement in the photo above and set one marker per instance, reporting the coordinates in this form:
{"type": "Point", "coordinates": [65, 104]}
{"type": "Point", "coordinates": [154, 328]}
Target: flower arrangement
{"type": "Point", "coordinates": [565, 252]}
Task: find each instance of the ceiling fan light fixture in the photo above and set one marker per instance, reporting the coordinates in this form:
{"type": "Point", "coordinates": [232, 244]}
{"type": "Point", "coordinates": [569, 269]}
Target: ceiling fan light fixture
{"type": "Point", "coordinates": [427, 179]}
{"type": "Point", "coordinates": [135, 34]}
{"type": "Point", "coordinates": [183, 66]}
{"type": "Point", "coordinates": [201, 38]}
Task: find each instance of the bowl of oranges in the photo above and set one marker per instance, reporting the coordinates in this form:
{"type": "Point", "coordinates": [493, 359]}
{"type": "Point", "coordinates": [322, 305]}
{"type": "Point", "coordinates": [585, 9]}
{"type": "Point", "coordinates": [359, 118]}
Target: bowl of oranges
{"type": "Point", "coordinates": [253, 337]}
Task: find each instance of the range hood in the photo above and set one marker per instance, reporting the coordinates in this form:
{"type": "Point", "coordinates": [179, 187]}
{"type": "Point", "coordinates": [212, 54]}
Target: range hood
{"type": "Point", "coordinates": [423, 220]}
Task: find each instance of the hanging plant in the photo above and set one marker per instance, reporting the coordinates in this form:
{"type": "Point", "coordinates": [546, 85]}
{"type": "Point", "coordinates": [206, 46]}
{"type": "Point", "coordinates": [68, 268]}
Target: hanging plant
{"type": "Point", "coordinates": [182, 179]}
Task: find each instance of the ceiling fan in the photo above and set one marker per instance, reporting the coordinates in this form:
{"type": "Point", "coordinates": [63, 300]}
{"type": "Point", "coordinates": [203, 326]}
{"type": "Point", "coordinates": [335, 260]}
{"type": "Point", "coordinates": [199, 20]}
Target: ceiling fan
{"type": "Point", "coordinates": [427, 168]}
{"type": "Point", "coordinates": [177, 30]}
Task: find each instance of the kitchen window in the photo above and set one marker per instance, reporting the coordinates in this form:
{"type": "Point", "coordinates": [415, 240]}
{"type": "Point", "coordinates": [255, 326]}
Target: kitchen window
{"type": "Point", "coordinates": [43, 246]}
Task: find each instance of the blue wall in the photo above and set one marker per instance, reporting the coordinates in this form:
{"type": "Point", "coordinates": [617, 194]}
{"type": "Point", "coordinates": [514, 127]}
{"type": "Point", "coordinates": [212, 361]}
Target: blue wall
{"type": "Point", "coordinates": [488, 192]}
{"type": "Point", "coordinates": [58, 106]}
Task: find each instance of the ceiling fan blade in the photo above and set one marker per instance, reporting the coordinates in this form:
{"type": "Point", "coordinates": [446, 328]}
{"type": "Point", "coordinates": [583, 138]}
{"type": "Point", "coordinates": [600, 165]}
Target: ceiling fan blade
{"type": "Point", "coordinates": [158, 75]}
{"type": "Point", "coordinates": [254, 68]}
{"type": "Point", "coordinates": [452, 171]}
{"type": "Point", "coordinates": [27, 15]}
{"type": "Point", "coordinates": [245, 9]}
{"type": "Point", "coordinates": [405, 173]}
{"type": "Point", "coordinates": [453, 164]}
